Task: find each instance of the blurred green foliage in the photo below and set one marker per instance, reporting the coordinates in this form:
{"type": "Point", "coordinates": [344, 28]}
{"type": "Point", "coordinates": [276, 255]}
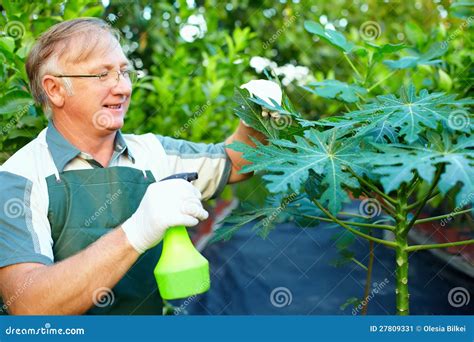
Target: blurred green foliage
{"type": "Point", "coordinates": [188, 80]}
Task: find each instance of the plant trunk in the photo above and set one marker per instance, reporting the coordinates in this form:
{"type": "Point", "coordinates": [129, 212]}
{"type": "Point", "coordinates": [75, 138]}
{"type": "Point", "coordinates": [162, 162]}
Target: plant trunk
{"type": "Point", "coordinates": [401, 254]}
{"type": "Point", "coordinates": [402, 279]}
{"type": "Point", "coordinates": [401, 261]}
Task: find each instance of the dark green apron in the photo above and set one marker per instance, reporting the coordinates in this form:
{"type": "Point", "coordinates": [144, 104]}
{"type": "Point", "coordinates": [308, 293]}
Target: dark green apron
{"type": "Point", "coordinates": [86, 204]}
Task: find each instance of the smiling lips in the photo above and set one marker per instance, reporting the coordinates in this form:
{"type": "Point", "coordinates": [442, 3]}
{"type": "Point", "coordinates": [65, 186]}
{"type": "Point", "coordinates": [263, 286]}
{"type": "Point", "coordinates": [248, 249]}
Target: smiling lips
{"type": "Point", "coordinates": [119, 106]}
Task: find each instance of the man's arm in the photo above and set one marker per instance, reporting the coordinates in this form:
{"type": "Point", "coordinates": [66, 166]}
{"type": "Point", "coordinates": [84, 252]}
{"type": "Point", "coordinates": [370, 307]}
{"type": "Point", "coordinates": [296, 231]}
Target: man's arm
{"type": "Point", "coordinates": [67, 287]}
{"type": "Point", "coordinates": [241, 134]}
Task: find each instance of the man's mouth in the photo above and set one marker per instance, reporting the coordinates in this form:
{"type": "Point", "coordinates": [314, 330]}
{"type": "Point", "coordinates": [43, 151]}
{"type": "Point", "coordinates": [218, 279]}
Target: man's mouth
{"type": "Point", "coordinates": [117, 106]}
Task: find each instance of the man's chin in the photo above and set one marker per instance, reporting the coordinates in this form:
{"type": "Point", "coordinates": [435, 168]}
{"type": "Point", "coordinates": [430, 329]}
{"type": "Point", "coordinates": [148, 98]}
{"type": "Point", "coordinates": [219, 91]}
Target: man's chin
{"type": "Point", "coordinates": [115, 125]}
{"type": "Point", "coordinates": [108, 120]}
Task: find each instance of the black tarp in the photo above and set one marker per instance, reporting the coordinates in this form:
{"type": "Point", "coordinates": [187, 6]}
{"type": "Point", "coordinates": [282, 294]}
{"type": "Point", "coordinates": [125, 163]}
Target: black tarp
{"type": "Point", "coordinates": [295, 263]}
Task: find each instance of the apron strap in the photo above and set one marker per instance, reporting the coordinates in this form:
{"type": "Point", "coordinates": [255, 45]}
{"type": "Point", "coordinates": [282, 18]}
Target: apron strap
{"type": "Point", "coordinates": [56, 171]}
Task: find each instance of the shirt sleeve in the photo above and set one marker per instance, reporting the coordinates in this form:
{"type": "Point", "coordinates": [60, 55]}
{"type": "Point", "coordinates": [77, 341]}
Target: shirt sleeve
{"type": "Point", "coordinates": [210, 161]}
{"type": "Point", "coordinates": [25, 233]}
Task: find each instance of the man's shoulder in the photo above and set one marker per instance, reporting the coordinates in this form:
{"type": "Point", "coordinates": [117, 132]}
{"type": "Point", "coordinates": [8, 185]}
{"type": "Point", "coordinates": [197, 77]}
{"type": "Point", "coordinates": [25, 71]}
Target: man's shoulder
{"type": "Point", "coordinates": [174, 146]}
{"type": "Point", "coordinates": [144, 141]}
{"type": "Point", "coordinates": [28, 160]}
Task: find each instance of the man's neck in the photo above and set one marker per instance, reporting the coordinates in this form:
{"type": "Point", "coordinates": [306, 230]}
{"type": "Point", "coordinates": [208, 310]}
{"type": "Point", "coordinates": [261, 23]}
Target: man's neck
{"type": "Point", "coordinates": [101, 148]}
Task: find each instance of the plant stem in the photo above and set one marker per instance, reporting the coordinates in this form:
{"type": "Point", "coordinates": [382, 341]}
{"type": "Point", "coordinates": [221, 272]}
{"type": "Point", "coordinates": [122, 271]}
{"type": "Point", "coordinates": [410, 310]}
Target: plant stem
{"type": "Point", "coordinates": [416, 204]}
{"type": "Point", "coordinates": [367, 74]}
{"type": "Point", "coordinates": [355, 231]}
{"type": "Point", "coordinates": [356, 224]}
{"type": "Point", "coordinates": [369, 277]}
{"type": "Point", "coordinates": [439, 245]}
{"type": "Point", "coordinates": [361, 97]}
{"type": "Point", "coordinates": [401, 253]}
{"type": "Point", "coordinates": [380, 81]}
{"type": "Point", "coordinates": [344, 213]}
{"type": "Point", "coordinates": [412, 186]}
{"type": "Point", "coordinates": [352, 66]}
{"type": "Point", "coordinates": [373, 188]}
{"type": "Point", "coordinates": [359, 263]}
{"type": "Point", "coordinates": [427, 196]}
{"type": "Point", "coordinates": [435, 218]}
{"type": "Point", "coordinates": [402, 295]}
{"type": "Point", "coordinates": [388, 207]}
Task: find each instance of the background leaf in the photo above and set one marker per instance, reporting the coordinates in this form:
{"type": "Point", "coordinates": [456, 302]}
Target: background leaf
{"type": "Point", "coordinates": [334, 89]}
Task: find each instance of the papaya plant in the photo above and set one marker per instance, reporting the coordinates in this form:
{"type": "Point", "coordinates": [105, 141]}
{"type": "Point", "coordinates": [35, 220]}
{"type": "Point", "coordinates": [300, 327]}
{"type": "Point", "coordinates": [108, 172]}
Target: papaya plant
{"type": "Point", "coordinates": [398, 150]}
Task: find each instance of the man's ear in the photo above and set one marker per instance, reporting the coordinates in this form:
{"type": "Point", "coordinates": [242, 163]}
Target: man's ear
{"type": "Point", "coordinates": [54, 89]}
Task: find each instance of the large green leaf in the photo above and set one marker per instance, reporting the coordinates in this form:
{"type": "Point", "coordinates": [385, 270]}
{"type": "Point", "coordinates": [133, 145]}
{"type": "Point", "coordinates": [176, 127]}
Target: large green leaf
{"type": "Point", "coordinates": [380, 51]}
{"type": "Point", "coordinates": [333, 37]}
{"type": "Point", "coordinates": [334, 89]}
{"type": "Point", "coordinates": [251, 113]}
{"type": "Point", "coordinates": [277, 209]}
{"type": "Point", "coordinates": [382, 133]}
{"type": "Point", "coordinates": [412, 114]}
{"type": "Point", "coordinates": [255, 154]}
{"type": "Point", "coordinates": [397, 163]}
{"type": "Point", "coordinates": [288, 164]}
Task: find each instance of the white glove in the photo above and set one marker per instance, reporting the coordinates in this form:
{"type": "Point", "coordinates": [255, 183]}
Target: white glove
{"type": "Point", "coordinates": [165, 204]}
{"type": "Point", "coordinates": [265, 90]}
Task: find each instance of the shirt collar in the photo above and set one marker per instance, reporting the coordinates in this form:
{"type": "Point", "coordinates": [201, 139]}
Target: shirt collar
{"type": "Point", "coordinates": [63, 151]}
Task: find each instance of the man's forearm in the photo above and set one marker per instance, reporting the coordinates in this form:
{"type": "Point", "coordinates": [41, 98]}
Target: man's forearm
{"type": "Point", "coordinates": [68, 287]}
{"type": "Point", "coordinates": [242, 134]}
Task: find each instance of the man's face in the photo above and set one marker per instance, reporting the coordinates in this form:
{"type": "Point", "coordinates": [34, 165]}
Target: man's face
{"type": "Point", "coordinates": [98, 104]}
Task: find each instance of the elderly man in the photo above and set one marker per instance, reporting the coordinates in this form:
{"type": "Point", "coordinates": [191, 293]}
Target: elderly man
{"type": "Point", "coordinates": [83, 208]}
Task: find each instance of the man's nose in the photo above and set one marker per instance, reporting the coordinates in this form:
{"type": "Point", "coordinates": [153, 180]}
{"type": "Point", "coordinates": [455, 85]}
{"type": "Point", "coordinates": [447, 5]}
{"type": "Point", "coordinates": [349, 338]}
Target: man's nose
{"type": "Point", "coordinates": [123, 86]}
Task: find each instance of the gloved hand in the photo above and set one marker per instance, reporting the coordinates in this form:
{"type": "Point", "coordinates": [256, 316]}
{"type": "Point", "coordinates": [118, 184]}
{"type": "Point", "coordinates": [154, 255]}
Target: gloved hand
{"type": "Point", "coordinates": [165, 204]}
{"type": "Point", "coordinates": [265, 90]}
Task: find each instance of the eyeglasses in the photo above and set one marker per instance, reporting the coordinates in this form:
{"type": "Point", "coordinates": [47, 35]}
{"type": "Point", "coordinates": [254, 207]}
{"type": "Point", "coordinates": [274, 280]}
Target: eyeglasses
{"type": "Point", "coordinates": [109, 78]}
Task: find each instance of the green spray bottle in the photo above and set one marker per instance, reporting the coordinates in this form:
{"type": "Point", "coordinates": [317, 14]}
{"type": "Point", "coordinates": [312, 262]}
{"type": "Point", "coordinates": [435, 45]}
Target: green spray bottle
{"type": "Point", "coordinates": [181, 271]}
